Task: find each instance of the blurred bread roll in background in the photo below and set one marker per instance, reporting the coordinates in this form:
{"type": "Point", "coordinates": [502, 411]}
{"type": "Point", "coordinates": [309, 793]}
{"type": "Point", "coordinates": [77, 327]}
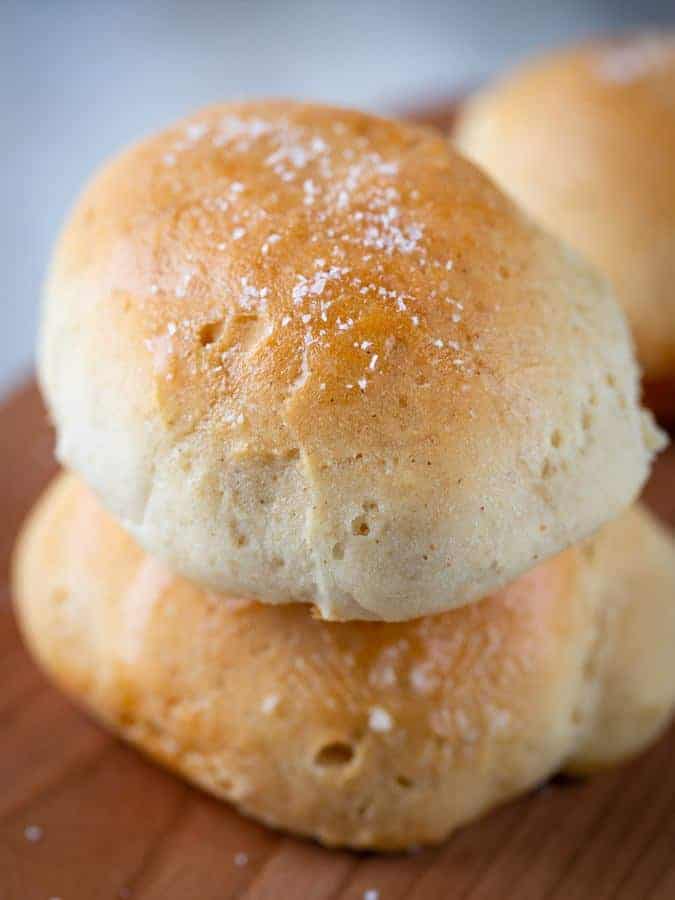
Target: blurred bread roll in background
{"type": "Point", "coordinates": [584, 139]}
{"type": "Point", "coordinates": [368, 734]}
{"type": "Point", "coordinates": [306, 354]}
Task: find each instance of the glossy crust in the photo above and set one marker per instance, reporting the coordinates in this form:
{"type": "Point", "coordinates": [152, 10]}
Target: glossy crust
{"type": "Point", "coordinates": [372, 735]}
{"type": "Point", "coordinates": [585, 140]}
{"type": "Point", "coordinates": [304, 354]}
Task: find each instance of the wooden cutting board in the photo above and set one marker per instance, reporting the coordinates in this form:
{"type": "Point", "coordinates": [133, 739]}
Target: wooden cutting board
{"type": "Point", "coordinates": [83, 817]}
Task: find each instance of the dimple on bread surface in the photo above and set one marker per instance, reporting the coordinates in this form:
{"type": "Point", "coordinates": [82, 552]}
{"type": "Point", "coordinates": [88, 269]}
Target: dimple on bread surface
{"type": "Point", "coordinates": [366, 734]}
{"type": "Point", "coordinates": [307, 354]}
{"type": "Point", "coordinates": [584, 138]}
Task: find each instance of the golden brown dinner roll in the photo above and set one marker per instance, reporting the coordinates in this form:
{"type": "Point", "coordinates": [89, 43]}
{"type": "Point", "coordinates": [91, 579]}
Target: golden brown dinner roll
{"type": "Point", "coordinates": [367, 734]}
{"type": "Point", "coordinates": [306, 354]}
{"type": "Point", "coordinates": [585, 140]}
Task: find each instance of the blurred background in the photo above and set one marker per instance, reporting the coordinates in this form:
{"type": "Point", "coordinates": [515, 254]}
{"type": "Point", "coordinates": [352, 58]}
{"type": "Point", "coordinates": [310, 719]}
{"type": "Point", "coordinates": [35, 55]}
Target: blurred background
{"type": "Point", "coordinates": [78, 80]}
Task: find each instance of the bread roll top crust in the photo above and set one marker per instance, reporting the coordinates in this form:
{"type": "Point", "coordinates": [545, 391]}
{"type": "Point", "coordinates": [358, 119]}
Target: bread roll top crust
{"type": "Point", "coordinates": [305, 353]}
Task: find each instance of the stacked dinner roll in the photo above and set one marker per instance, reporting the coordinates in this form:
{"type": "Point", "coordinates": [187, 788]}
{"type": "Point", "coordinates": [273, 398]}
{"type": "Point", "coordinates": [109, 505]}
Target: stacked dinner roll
{"type": "Point", "coordinates": [313, 356]}
{"type": "Point", "coordinates": [368, 734]}
{"type": "Point", "coordinates": [348, 535]}
{"type": "Point", "coordinates": [584, 138]}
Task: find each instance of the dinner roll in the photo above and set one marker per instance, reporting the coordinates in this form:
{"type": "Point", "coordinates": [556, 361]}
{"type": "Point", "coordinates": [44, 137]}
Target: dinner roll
{"type": "Point", "coordinates": [306, 354]}
{"type": "Point", "coordinates": [366, 734]}
{"type": "Point", "coordinates": [585, 140]}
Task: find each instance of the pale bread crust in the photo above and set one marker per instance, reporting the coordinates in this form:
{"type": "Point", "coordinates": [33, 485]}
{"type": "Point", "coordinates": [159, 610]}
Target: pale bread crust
{"type": "Point", "coordinates": [585, 140]}
{"type": "Point", "coordinates": [371, 735]}
{"type": "Point", "coordinates": [406, 399]}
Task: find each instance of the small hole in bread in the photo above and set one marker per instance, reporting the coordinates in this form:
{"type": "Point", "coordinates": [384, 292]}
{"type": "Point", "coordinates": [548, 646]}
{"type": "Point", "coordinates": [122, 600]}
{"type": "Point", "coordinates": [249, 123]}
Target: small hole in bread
{"type": "Point", "coordinates": [337, 753]}
{"type": "Point", "coordinates": [556, 439]}
{"type": "Point", "coordinates": [403, 781]}
{"type": "Point", "coordinates": [238, 537]}
{"type": "Point", "coordinates": [364, 809]}
{"type": "Point", "coordinates": [403, 401]}
{"type": "Point", "coordinates": [586, 420]}
{"type": "Point", "coordinates": [209, 333]}
{"type": "Point", "coordinates": [338, 551]}
{"type": "Point", "coordinates": [360, 526]}
{"type": "Point", "coordinates": [504, 272]}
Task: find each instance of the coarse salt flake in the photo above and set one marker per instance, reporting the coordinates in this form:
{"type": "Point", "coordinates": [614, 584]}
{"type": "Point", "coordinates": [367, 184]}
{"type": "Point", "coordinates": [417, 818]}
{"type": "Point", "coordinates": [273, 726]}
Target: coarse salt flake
{"type": "Point", "coordinates": [423, 679]}
{"type": "Point", "coordinates": [269, 704]}
{"type": "Point", "coordinates": [195, 131]}
{"type": "Point", "coordinates": [182, 286]}
{"type": "Point", "coordinates": [311, 190]}
{"type": "Point", "coordinates": [269, 241]}
{"type": "Point", "coordinates": [33, 833]}
{"type": "Point", "coordinates": [379, 719]}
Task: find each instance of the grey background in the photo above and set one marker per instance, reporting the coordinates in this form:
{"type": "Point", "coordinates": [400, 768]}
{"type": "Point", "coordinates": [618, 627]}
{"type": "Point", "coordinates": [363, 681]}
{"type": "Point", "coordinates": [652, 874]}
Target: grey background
{"type": "Point", "coordinates": [79, 80]}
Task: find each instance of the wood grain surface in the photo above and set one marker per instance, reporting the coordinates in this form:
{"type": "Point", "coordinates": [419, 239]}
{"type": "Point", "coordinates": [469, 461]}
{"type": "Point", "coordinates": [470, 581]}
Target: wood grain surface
{"type": "Point", "coordinates": [83, 817]}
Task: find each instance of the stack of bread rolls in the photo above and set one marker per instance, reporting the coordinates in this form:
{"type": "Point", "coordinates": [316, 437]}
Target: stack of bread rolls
{"type": "Point", "coordinates": [348, 535]}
